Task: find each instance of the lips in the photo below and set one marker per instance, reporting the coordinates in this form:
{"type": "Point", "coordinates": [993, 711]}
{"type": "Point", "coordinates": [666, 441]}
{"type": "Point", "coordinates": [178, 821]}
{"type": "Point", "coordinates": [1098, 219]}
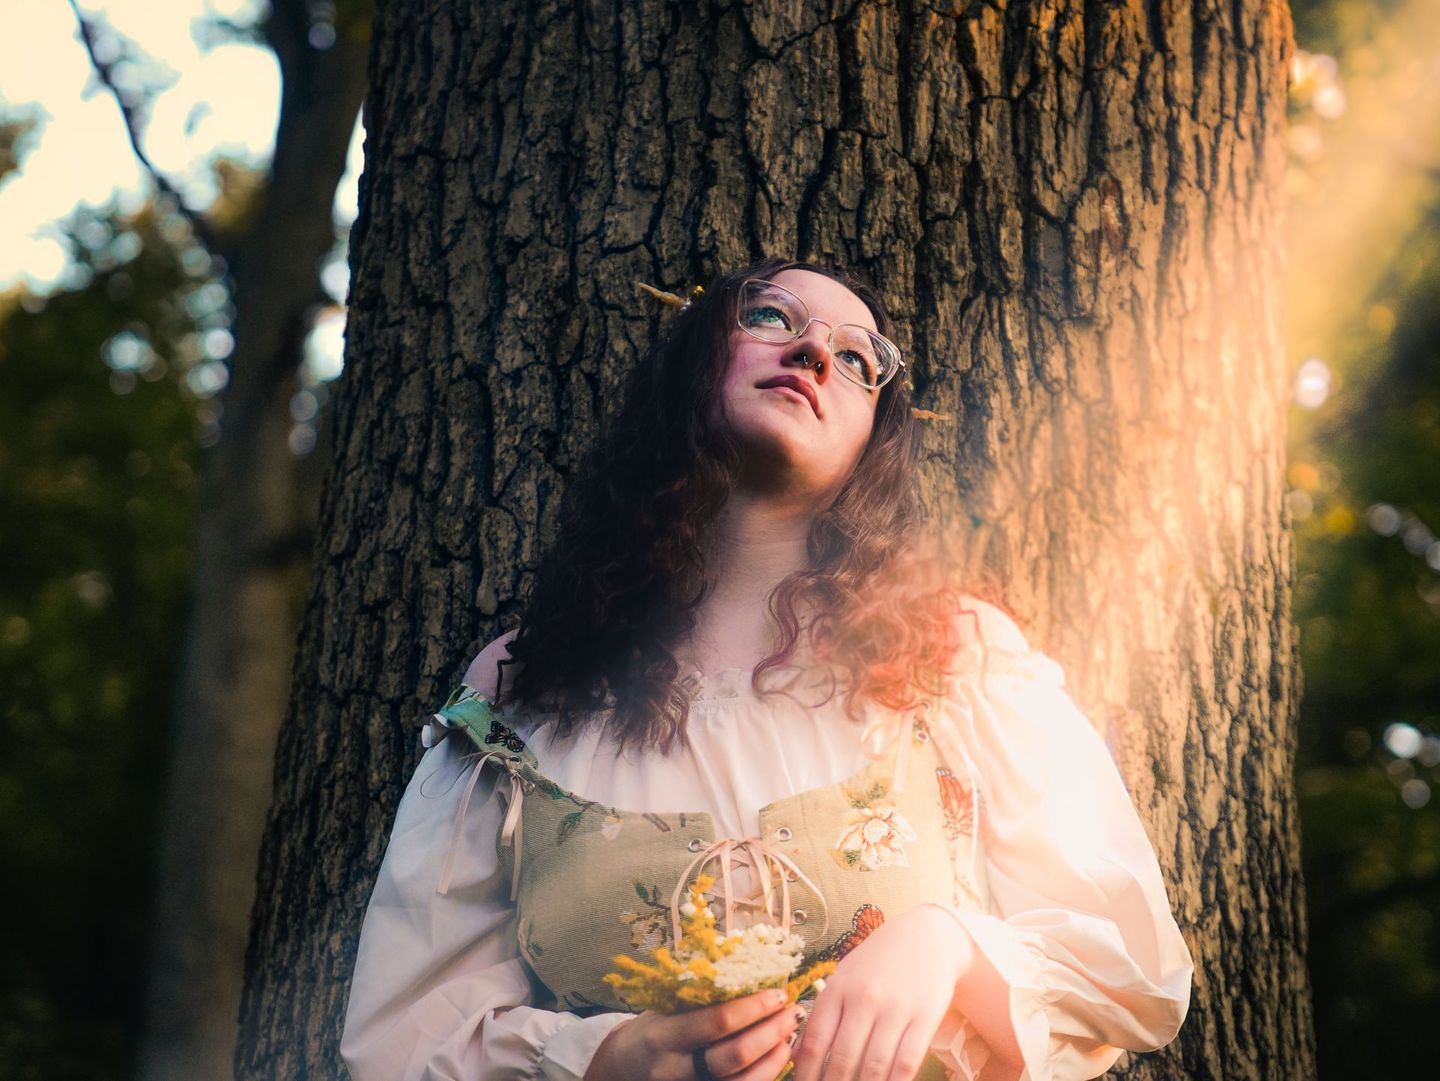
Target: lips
{"type": "Point", "coordinates": [800, 386]}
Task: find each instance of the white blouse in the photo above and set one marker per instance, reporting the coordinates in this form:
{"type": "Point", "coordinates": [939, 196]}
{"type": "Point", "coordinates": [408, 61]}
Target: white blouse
{"type": "Point", "coordinates": [1081, 930]}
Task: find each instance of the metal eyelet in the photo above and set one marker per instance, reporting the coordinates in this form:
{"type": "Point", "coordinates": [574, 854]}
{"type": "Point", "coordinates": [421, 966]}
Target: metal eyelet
{"type": "Point", "coordinates": [783, 833]}
{"type": "Point", "coordinates": [791, 876]}
{"type": "Point", "coordinates": [922, 735]}
{"type": "Point", "coordinates": [798, 916]}
{"type": "Point", "coordinates": [696, 845]}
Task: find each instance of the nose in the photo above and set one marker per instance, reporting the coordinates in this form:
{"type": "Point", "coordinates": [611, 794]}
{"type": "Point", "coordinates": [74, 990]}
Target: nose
{"type": "Point", "coordinates": [812, 350]}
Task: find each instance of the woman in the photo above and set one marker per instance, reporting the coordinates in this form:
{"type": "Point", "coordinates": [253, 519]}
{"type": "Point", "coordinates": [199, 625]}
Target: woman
{"type": "Point", "coordinates": [734, 659]}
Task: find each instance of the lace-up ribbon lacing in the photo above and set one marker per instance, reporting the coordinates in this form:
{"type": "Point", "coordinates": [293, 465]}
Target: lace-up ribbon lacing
{"type": "Point", "coordinates": [762, 857]}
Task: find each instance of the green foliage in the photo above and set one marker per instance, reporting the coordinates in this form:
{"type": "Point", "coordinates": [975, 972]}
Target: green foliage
{"type": "Point", "coordinates": [1370, 647]}
{"type": "Point", "coordinates": [1335, 27]}
{"type": "Point", "coordinates": [1368, 606]}
{"type": "Point", "coordinates": [98, 468]}
{"type": "Point", "coordinates": [17, 134]}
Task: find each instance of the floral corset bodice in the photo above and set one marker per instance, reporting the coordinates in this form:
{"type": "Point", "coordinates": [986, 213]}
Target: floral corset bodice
{"type": "Point", "coordinates": [590, 881]}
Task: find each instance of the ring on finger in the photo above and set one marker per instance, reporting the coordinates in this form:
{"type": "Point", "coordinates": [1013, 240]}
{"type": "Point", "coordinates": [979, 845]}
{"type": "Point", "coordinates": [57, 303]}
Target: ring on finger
{"type": "Point", "coordinates": [702, 1068]}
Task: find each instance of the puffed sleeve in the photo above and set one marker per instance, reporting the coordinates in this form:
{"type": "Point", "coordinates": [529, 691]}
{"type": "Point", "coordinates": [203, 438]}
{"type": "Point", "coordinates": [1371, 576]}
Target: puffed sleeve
{"type": "Point", "coordinates": [1080, 926]}
{"type": "Point", "coordinates": [439, 990]}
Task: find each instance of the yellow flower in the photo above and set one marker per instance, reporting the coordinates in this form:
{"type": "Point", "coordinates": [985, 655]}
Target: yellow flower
{"type": "Point", "coordinates": [707, 967]}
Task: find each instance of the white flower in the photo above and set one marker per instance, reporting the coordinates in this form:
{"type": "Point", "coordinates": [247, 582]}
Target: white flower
{"type": "Point", "coordinates": [687, 909]}
{"type": "Point", "coordinates": [648, 929]}
{"type": "Point", "coordinates": [877, 832]}
{"type": "Point", "coordinates": [765, 956]}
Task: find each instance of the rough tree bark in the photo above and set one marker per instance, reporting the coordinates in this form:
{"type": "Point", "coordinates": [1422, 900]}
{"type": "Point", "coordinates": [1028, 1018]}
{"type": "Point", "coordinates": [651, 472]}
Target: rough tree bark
{"type": "Point", "coordinates": [1074, 212]}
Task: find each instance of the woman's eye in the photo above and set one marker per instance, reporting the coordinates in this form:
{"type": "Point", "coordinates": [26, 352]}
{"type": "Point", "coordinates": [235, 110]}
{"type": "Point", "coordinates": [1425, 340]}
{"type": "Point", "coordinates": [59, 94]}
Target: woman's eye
{"type": "Point", "coordinates": [861, 363]}
{"type": "Point", "coordinates": [773, 316]}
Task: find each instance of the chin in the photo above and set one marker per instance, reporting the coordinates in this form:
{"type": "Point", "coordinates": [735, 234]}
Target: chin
{"type": "Point", "coordinates": [774, 439]}
{"type": "Point", "coordinates": [784, 469]}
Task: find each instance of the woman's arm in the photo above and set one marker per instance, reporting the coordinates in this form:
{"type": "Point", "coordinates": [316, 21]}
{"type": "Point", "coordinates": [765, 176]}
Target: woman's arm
{"type": "Point", "coordinates": [439, 990]}
{"type": "Point", "coordinates": [1080, 957]}
{"type": "Point", "coordinates": [1082, 943]}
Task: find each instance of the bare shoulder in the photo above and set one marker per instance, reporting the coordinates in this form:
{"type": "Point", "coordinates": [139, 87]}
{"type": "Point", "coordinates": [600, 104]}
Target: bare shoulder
{"type": "Point", "coordinates": [484, 672]}
{"type": "Point", "coordinates": [987, 622]}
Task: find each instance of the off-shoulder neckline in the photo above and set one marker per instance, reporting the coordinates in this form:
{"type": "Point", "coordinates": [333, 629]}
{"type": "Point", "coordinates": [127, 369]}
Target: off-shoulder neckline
{"type": "Point", "coordinates": [527, 761]}
{"type": "Point", "coordinates": [733, 683]}
{"type": "Point", "coordinates": [976, 659]}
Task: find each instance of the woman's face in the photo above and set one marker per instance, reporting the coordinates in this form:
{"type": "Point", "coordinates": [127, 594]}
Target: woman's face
{"type": "Point", "coordinates": [800, 422]}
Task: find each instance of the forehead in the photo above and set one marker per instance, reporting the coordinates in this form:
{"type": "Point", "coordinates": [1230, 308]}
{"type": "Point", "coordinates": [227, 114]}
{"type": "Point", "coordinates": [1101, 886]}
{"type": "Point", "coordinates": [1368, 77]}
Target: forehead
{"type": "Point", "coordinates": [826, 298]}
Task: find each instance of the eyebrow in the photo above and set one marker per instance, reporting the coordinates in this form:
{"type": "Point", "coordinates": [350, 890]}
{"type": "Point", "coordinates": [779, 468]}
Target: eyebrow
{"type": "Point", "coordinates": [810, 306]}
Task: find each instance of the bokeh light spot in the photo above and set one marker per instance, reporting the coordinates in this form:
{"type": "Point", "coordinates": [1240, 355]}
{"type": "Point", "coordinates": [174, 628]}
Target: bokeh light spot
{"type": "Point", "coordinates": [1415, 792]}
{"type": "Point", "coordinates": [1401, 739]}
{"type": "Point", "coordinates": [1383, 518]}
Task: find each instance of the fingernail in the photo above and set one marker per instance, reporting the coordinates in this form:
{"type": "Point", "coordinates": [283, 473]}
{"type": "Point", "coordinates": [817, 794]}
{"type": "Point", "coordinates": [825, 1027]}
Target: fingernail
{"type": "Point", "coordinates": [800, 1015]}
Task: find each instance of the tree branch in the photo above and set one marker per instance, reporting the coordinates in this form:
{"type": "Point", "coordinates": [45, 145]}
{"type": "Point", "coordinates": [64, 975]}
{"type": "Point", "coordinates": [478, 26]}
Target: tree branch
{"type": "Point", "coordinates": [104, 71]}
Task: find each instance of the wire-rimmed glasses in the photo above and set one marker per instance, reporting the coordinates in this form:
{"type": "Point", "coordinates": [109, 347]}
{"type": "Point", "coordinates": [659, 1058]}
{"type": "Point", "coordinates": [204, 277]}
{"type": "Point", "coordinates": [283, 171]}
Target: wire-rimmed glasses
{"type": "Point", "coordinates": [773, 314]}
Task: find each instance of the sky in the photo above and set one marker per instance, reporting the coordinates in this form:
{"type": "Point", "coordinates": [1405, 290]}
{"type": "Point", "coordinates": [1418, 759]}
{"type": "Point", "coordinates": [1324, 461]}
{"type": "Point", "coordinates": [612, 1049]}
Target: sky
{"type": "Point", "coordinates": [220, 101]}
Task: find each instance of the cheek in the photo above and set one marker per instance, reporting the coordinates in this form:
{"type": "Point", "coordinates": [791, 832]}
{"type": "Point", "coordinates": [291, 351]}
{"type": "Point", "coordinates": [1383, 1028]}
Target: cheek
{"type": "Point", "coordinates": [730, 385]}
{"type": "Point", "coordinates": [859, 427]}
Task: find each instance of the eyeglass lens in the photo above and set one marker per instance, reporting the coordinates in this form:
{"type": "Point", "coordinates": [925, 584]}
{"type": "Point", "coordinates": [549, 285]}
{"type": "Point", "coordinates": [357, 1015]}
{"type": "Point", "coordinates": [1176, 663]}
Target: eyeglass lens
{"type": "Point", "coordinates": [774, 314]}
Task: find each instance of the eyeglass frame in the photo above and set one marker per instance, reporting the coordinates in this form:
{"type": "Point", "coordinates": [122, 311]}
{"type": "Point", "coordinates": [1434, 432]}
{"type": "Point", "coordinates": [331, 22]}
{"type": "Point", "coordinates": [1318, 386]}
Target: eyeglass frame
{"type": "Point", "coordinates": [809, 318]}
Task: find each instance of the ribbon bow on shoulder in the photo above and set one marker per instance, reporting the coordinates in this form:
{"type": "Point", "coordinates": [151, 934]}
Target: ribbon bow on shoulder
{"type": "Point", "coordinates": [435, 732]}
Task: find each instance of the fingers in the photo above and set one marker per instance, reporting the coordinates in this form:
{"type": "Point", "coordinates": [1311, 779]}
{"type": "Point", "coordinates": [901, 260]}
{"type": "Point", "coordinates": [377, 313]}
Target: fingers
{"type": "Point", "coordinates": [683, 1032]}
{"type": "Point", "coordinates": [876, 1057]}
{"type": "Point", "coordinates": [840, 1047]}
{"type": "Point", "coordinates": [712, 1023]}
{"type": "Point", "coordinates": [766, 1068]}
{"type": "Point", "coordinates": [741, 1050]}
{"type": "Point", "coordinates": [848, 1046]}
{"type": "Point", "coordinates": [815, 1044]}
{"type": "Point", "coordinates": [910, 1055]}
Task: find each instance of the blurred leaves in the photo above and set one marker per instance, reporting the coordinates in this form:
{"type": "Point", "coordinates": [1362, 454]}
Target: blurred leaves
{"type": "Point", "coordinates": [1364, 497]}
{"type": "Point", "coordinates": [105, 406]}
{"type": "Point", "coordinates": [108, 400]}
{"type": "Point", "coordinates": [17, 134]}
{"type": "Point", "coordinates": [98, 469]}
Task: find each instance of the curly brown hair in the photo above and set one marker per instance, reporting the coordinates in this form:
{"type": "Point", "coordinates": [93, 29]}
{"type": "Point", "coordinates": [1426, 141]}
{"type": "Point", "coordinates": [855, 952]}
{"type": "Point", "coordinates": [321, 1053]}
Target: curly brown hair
{"type": "Point", "coordinates": [618, 587]}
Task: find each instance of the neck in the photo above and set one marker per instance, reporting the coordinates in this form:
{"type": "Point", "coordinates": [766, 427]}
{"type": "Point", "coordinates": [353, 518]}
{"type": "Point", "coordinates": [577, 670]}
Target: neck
{"type": "Point", "coordinates": [752, 546]}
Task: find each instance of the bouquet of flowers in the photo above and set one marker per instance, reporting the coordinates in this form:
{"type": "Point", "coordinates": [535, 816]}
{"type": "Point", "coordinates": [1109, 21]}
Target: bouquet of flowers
{"type": "Point", "coordinates": [707, 966]}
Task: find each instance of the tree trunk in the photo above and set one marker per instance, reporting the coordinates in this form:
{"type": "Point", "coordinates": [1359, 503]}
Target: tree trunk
{"type": "Point", "coordinates": [255, 532]}
{"type": "Point", "coordinates": [1074, 214]}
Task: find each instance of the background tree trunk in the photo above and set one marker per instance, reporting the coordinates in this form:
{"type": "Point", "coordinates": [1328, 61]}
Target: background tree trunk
{"type": "Point", "coordinates": [255, 531]}
{"type": "Point", "coordinates": [1074, 213]}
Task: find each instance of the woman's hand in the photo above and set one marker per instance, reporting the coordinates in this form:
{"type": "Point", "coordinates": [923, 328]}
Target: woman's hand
{"type": "Point", "coordinates": [745, 1039]}
{"type": "Point", "coordinates": [878, 1013]}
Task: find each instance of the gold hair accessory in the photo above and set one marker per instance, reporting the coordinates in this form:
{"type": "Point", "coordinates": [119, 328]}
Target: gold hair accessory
{"type": "Point", "coordinates": [671, 299]}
